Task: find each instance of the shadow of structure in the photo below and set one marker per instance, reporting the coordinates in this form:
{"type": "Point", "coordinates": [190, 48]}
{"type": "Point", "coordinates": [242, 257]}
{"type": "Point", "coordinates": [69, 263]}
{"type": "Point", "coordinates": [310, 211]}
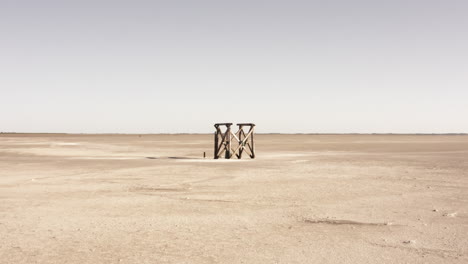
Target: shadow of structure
{"type": "Point", "coordinates": [171, 158]}
{"type": "Point", "coordinates": [181, 158]}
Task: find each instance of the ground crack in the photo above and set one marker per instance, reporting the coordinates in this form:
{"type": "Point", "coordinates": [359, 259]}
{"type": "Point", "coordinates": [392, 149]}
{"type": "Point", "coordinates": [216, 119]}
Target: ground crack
{"type": "Point", "coordinates": [341, 222]}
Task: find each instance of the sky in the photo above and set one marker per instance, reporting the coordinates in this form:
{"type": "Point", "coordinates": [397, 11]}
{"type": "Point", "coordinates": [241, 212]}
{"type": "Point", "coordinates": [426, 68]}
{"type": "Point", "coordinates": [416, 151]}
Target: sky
{"type": "Point", "coordinates": [330, 66]}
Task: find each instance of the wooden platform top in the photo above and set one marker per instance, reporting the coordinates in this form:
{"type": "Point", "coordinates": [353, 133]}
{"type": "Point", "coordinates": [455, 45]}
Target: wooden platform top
{"type": "Point", "coordinates": [223, 124]}
{"type": "Point", "coordinates": [246, 124]}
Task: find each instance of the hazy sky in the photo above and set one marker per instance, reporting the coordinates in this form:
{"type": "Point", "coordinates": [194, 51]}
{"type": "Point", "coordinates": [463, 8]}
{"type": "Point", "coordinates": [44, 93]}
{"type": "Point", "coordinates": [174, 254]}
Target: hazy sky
{"type": "Point", "coordinates": [179, 66]}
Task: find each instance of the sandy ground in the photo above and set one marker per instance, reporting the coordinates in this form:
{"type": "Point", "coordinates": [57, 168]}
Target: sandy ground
{"type": "Point", "coordinates": [305, 199]}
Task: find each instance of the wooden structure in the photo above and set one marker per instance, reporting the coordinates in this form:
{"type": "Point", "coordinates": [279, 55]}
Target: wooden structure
{"type": "Point", "coordinates": [234, 144]}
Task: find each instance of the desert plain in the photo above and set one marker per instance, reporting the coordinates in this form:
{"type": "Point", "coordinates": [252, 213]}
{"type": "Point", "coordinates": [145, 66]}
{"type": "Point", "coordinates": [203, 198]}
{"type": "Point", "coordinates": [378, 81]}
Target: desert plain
{"type": "Point", "coordinates": [305, 199]}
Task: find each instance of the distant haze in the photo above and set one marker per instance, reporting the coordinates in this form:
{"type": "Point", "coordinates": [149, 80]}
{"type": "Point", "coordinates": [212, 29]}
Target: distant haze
{"type": "Point", "coordinates": [344, 66]}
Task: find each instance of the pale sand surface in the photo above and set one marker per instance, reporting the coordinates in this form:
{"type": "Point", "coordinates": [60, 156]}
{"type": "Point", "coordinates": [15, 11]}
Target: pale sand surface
{"type": "Point", "coordinates": [305, 199]}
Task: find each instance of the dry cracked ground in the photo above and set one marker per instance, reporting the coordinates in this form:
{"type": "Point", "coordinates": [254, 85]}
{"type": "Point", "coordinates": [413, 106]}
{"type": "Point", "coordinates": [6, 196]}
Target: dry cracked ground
{"type": "Point", "coordinates": [304, 199]}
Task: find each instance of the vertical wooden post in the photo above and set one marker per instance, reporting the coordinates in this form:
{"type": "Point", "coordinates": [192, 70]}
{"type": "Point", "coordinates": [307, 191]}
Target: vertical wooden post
{"type": "Point", "coordinates": [228, 142]}
{"type": "Point", "coordinates": [216, 147]}
{"type": "Point", "coordinates": [252, 142]}
{"type": "Point", "coordinates": [241, 142]}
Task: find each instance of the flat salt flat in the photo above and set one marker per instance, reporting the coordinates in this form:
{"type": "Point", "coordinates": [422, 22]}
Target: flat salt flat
{"type": "Point", "coordinates": [304, 199]}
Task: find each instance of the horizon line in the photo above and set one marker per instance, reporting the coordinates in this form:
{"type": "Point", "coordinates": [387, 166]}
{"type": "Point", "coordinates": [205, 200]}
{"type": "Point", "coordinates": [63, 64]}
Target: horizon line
{"type": "Point", "coordinates": [263, 133]}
